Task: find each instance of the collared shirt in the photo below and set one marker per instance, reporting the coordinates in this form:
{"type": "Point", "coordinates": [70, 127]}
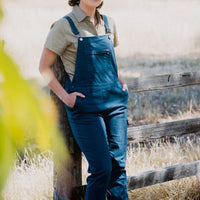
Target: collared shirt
{"type": "Point", "coordinates": [63, 42]}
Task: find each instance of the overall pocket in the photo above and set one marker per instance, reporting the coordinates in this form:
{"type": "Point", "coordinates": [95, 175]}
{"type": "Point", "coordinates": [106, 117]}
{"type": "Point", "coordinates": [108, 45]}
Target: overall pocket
{"type": "Point", "coordinates": [79, 101]}
{"type": "Point", "coordinates": [126, 93]}
{"type": "Point", "coordinates": [99, 60]}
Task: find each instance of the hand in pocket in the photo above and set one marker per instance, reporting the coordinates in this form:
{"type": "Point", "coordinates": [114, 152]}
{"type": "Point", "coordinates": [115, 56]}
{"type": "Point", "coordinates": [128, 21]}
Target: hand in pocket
{"type": "Point", "coordinates": [72, 97]}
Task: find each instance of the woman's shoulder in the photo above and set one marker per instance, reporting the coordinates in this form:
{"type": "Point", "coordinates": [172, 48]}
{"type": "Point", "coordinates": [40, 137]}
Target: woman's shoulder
{"type": "Point", "coordinates": [112, 25]}
{"type": "Point", "coordinates": [61, 24]}
{"type": "Point", "coordinates": [111, 21]}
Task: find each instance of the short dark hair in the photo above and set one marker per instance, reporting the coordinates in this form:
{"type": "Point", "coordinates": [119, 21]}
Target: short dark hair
{"type": "Point", "coordinates": [76, 2]}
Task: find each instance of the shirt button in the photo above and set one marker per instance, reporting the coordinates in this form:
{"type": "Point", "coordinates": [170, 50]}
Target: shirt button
{"type": "Point", "coordinates": [81, 39]}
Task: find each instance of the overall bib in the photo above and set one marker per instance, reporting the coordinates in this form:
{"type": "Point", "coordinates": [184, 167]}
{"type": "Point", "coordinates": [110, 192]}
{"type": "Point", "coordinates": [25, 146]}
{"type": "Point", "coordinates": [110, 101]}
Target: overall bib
{"type": "Point", "coordinates": [99, 121]}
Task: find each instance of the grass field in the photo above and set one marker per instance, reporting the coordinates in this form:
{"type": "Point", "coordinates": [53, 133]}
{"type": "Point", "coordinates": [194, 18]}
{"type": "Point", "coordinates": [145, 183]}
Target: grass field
{"type": "Point", "coordinates": [33, 180]}
{"type": "Point", "coordinates": [156, 37]}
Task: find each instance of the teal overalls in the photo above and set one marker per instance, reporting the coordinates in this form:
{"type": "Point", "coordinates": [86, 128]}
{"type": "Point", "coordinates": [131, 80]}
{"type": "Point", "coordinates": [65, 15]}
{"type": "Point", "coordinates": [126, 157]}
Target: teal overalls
{"type": "Point", "coordinates": [99, 121]}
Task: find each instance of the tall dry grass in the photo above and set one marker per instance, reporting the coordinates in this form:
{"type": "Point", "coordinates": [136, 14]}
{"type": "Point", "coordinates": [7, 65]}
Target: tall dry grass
{"type": "Point", "coordinates": [143, 159]}
{"type": "Point", "coordinates": [32, 178]}
{"type": "Point", "coordinates": [164, 105]}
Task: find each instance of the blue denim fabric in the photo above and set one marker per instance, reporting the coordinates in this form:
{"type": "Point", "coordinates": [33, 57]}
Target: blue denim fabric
{"type": "Point", "coordinates": [98, 121]}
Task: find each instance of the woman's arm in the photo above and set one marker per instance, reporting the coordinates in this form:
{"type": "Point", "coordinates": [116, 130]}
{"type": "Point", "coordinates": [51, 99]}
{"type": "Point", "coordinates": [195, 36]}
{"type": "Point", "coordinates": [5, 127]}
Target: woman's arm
{"type": "Point", "coordinates": [45, 67]}
{"type": "Point", "coordinates": [124, 85]}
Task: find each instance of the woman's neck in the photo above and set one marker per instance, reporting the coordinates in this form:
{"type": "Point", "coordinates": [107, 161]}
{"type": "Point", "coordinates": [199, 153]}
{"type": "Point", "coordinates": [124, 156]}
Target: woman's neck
{"type": "Point", "coordinates": [90, 11]}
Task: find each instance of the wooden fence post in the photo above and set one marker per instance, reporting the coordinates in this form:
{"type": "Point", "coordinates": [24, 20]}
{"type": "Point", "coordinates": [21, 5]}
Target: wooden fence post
{"type": "Point", "coordinates": [73, 176]}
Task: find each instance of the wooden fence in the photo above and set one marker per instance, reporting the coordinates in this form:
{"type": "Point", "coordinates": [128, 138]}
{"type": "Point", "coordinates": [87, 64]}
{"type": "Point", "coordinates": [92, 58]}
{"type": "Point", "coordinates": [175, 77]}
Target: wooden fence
{"type": "Point", "coordinates": [175, 128]}
{"type": "Point", "coordinates": [144, 132]}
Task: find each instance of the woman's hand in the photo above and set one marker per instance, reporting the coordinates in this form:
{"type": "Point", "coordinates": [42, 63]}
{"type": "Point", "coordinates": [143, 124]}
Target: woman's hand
{"type": "Point", "coordinates": [71, 98]}
{"type": "Point", "coordinates": [47, 60]}
{"type": "Point", "coordinates": [124, 87]}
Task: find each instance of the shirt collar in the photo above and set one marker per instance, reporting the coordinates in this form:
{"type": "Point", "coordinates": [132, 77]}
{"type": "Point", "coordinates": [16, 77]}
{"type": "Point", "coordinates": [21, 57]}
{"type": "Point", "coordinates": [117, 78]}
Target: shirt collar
{"type": "Point", "coordinates": [80, 15]}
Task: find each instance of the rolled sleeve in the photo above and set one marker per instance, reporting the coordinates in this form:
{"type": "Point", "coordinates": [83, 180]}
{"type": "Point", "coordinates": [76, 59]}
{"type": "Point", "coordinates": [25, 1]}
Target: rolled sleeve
{"type": "Point", "coordinates": [56, 39]}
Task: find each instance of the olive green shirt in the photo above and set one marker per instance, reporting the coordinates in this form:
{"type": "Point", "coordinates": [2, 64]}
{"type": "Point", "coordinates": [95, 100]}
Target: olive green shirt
{"type": "Point", "coordinates": [63, 42]}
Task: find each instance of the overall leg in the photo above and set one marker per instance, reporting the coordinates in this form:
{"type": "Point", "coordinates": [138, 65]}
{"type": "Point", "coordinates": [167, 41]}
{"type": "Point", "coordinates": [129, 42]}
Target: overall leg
{"type": "Point", "coordinates": [116, 126]}
{"type": "Point", "coordinates": [90, 134]}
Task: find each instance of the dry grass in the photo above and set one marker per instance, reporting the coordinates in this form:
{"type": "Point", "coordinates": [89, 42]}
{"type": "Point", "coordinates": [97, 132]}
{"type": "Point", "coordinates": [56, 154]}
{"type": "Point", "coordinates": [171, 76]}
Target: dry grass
{"type": "Point", "coordinates": [164, 105]}
{"type": "Point", "coordinates": [184, 189]}
{"type": "Point", "coordinates": [143, 159]}
{"type": "Point", "coordinates": [33, 179]}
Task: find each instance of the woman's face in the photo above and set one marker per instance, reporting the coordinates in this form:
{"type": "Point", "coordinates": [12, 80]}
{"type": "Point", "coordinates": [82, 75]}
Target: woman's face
{"type": "Point", "coordinates": [91, 3]}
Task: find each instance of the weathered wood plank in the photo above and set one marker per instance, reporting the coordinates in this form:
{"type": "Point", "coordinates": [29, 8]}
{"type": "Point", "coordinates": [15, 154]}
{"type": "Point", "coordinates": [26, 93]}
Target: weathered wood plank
{"type": "Point", "coordinates": [164, 81]}
{"type": "Point", "coordinates": [152, 131]}
{"type": "Point", "coordinates": [163, 175]}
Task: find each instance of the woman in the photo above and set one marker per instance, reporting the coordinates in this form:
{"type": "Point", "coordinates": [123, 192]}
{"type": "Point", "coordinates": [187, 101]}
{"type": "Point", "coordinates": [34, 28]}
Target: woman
{"type": "Point", "coordinates": [95, 95]}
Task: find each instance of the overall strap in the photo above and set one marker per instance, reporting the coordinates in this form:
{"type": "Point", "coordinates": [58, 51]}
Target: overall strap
{"type": "Point", "coordinates": [71, 23]}
{"type": "Point", "coordinates": [106, 24]}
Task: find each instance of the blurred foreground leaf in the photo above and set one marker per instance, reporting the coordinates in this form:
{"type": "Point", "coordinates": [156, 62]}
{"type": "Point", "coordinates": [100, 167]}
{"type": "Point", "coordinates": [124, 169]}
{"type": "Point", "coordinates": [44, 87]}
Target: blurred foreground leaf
{"type": "Point", "coordinates": [27, 115]}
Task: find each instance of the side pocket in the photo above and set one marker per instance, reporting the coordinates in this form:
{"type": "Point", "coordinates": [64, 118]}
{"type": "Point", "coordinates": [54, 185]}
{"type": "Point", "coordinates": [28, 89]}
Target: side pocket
{"type": "Point", "coordinates": [123, 92]}
{"type": "Point", "coordinates": [76, 102]}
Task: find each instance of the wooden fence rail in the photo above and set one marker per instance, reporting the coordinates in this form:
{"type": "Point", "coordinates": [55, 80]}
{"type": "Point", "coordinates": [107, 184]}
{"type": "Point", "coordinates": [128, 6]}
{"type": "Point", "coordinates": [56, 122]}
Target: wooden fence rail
{"type": "Point", "coordinates": [163, 175]}
{"type": "Point", "coordinates": [166, 81]}
{"type": "Point", "coordinates": [153, 131]}
{"type": "Point", "coordinates": [139, 133]}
